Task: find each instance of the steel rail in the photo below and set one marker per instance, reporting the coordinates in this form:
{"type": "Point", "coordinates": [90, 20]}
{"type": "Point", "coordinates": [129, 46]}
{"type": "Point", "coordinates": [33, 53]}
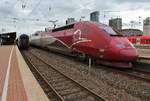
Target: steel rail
{"type": "Point", "coordinates": [144, 58]}
{"type": "Point", "coordinates": [43, 78]}
{"type": "Point", "coordinates": [132, 73]}
{"type": "Point", "coordinates": [87, 89]}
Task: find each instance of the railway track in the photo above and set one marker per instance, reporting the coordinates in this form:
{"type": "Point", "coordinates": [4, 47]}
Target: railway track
{"type": "Point", "coordinates": [144, 58]}
{"type": "Point", "coordinates": [57, 85]}
{"type": "Point", "coordinates": [136, 73]}
{"type": "Point", "coordinates": [143, 73]}
{"type": "Point", "coordinates": [48, 89]}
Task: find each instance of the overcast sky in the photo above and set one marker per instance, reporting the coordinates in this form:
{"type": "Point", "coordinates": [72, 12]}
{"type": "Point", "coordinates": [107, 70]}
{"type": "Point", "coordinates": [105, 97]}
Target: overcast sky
{"type": "Point", "coordinates": [15, 17]}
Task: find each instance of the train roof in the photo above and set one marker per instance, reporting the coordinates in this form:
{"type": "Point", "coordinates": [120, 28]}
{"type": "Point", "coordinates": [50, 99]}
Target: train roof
{"type": "Point", "coordinates": [69, 26]}
{"type": "Point", "coordinates": [8, 33]}
{"type": "Point", "coordinates": [23, 35]}
{"type": "Point", "coordinates": [145, 37]}
{"type": "Point", "coordinates": [105, 27]}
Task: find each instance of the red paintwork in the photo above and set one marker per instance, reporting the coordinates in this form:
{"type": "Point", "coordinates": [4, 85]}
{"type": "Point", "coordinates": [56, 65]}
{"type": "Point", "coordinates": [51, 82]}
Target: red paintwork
{"type": "Point", "coordinates": [132, 39]}
{"type": "Point", "coordinates": [101, 46]}
{"type": "Point", "coordinates": [127, 53]}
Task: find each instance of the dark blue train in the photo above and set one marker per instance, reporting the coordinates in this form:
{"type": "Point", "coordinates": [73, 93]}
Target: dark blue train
{"type": "Point", "coordinates": [23, 41]}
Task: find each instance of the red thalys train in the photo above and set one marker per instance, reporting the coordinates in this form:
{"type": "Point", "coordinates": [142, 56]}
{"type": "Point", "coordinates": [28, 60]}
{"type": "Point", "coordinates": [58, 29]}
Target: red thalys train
{"type": "Point", "coordinates": [89, 39]}
{"type": "Point", "coordinates": [140, 40]}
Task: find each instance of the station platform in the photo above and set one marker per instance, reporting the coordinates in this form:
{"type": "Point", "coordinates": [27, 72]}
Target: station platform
{"type": "Point", "coordinates": [144, 53]}
{"type": "Point", "coordinates": [17, 83]}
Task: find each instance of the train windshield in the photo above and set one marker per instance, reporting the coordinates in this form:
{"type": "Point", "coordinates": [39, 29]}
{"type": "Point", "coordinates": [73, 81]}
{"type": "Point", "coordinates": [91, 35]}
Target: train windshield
{"type": "Point", "coordinates": [107, 29]}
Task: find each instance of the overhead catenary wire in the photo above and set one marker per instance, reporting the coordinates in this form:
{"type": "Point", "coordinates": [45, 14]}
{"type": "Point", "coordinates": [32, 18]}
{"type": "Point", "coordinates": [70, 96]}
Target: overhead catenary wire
{"type": "Point", "coordinates": [35, 7]}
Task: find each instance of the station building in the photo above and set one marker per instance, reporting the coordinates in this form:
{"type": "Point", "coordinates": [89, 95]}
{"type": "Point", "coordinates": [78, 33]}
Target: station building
{"type": "Point", "coordinates": [131, 32]}
{"type": "Point", "coordinates": [146, 26]}
{"type": "Point", "coordinates": [116, 23]}
{"type": "Point", "coordinates": [94, 16]}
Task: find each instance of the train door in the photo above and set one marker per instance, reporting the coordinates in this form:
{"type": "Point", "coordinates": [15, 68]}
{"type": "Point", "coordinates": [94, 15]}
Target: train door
{"type": "Point", "coordinates": [45, 39]}
{"type": "Point", "coordinates": [138, 40]}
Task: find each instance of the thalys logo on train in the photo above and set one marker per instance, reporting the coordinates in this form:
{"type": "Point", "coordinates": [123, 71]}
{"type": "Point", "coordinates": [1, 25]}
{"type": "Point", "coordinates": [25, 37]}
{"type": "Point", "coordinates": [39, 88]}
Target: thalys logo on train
{"type": "Point", "coordinates": [77, 37]}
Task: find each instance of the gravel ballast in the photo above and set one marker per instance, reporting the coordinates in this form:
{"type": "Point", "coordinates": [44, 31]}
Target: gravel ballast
{"type": "Point", "coordinates": [113, 86]}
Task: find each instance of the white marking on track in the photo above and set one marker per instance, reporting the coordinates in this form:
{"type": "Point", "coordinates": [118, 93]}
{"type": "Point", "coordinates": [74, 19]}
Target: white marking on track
{"type": "Point", "coordinates": [5, 89]}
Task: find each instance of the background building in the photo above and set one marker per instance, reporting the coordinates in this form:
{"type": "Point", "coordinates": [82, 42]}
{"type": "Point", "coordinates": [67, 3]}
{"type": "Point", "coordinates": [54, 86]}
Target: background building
{"type": "Point", "coordinates": [70, 20]}
{"type": "Point", "coordinates": [131, 32]}
{"type": "Point", "coordinates": [146, 26]}
{"type": "Point", "coordinates": [94, 16]}
{"type": "Point", "coordinates": [116, 23]}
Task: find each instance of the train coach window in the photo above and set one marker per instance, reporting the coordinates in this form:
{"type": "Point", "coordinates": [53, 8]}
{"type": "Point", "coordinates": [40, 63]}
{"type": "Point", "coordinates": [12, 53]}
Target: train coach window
{"type": "Point", "coordinates": [5, 36]}
{"type": "Point", "coordinates": [36, 34]}
{"type": "Point", "coordinates": [142, 40]}
{"type": "Point", "coordinates": [148, 41]}
{"type": "Point", "coordinates": [107, 29]}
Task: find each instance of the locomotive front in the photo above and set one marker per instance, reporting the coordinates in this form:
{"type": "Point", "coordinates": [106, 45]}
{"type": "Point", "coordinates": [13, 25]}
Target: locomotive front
{"type": "Point", "coordinates": [120, 51]}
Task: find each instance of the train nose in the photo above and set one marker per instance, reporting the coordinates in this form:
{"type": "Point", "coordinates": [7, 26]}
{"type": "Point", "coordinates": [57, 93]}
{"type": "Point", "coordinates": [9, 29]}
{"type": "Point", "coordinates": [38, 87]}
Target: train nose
{"type": "Point", "coordinates": [129, 54]}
